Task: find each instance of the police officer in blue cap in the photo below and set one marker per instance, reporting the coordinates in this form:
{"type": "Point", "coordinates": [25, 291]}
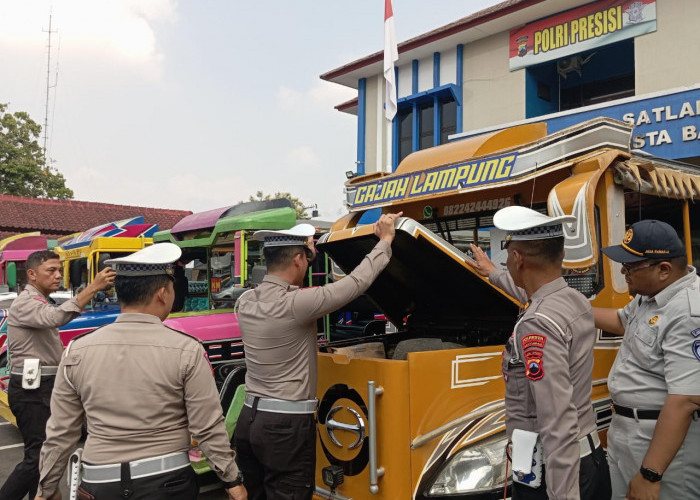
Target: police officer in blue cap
{"type": "Point", "coordinates": [654, 436]}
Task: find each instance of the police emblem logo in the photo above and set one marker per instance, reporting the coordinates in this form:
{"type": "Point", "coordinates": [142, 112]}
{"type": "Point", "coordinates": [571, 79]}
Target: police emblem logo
{"type": "Point", "coordinates": [534, 369]}
{"type": "Point", "coordinates": [653, 320]}
{"type": "Point", "coordinates": [628, 236]}
{"type": "Point", "coordinates": [696, 345]}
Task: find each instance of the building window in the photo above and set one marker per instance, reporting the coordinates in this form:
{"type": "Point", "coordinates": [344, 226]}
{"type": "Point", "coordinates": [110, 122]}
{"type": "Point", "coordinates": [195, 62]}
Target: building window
{"type": "Point", "coordinates": [405, 119]}
{"type": "Point", "coordinates": [438, 110]}
{"type": "Point", "coordinates": [448, 115]}
{"type": "Point", "coordinates": [426, 126]}
{"type": "Point", "coordinates": [591, 77]}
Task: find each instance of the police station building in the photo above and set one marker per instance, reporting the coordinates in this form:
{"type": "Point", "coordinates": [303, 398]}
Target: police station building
{"type": "Point", "coordinates": [557, 61]}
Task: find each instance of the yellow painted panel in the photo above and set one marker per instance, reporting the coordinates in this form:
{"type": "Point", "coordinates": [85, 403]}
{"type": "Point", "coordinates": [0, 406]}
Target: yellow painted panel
{"type": "Point", "coordinates": [343, 382]}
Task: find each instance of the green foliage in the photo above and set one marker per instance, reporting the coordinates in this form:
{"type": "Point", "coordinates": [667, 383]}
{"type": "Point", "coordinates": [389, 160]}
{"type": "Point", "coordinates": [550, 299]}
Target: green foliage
{"type": "Point", "coordinates": [23, 170]}
{"type": "Point", "coordinates": [298, 204]}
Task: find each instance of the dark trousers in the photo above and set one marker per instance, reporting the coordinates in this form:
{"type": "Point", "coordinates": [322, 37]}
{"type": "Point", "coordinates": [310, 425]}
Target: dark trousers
{"type": "Point", "coordinates": [31, 409]}
{"type": "Point", "coordinates": [180, 484]}
{"type": "Point", "coordinates": [594, 480]}
{"type": "Point", "coordinates": [276, 453]}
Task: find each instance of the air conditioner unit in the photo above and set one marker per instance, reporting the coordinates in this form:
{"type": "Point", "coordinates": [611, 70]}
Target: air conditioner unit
{"type": "Point", "coordinates": [573, 63]}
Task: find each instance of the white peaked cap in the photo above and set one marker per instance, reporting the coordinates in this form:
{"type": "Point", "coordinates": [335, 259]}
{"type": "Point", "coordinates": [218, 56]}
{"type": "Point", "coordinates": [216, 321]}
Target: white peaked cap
{"type": "Point", "coordinates": [151, 261]}
{"type": "Point", "coordinates": [522, 223]}
{"type": "Point", "coordinates": [298, 235]}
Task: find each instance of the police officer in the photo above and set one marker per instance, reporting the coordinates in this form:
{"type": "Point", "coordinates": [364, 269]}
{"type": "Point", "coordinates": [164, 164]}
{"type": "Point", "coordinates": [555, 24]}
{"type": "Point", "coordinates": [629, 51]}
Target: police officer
{"type": "Point", "coordinates": [654, 436]}
{"type": "Point", "coordinates": [144, 390]}
{"type": "Point", "coordinates": [276, 432]}
{"type": "Point", "coordinates": [35, 350]}
{"type": "Point", "coordinates": [547, 363]}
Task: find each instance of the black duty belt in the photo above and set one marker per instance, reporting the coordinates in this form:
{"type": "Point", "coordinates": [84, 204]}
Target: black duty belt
{"type": "Point", "coordinates": [638, 414]}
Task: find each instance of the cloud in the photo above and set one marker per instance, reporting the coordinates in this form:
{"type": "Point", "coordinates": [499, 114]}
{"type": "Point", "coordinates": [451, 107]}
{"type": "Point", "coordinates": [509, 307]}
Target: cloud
{"type": "Point", "coordinates": [118, 29]}
{"type": "Point", "coordinates": [303, 156]}
{"type": "Point", "coordinates": [321, 96]}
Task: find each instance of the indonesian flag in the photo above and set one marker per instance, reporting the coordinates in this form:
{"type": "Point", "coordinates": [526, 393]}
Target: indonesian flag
{"type": "Point", "coordinates": [391, 55]}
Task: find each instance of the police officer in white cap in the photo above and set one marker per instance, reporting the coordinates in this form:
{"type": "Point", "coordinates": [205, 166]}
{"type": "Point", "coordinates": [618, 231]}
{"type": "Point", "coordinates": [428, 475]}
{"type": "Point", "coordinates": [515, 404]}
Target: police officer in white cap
{"type": "Point", "coordinates": [654, 436]}
{"type": "Point", "coordinates": [145, 391]}
{"type": "Point", "coordinates": [276, 432]}
{"type": "Point", "coordinates": [547, 365]}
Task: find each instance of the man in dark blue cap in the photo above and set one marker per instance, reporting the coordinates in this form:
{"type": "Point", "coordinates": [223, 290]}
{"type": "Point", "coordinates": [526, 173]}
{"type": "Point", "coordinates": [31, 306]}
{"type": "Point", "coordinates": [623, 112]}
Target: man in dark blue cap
{"type": "Point", "coordinates": [654, 436]}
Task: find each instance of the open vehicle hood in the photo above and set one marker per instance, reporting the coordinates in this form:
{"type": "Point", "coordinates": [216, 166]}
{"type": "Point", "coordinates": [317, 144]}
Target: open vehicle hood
{"type": "Point", "coordinates": [426, 282]}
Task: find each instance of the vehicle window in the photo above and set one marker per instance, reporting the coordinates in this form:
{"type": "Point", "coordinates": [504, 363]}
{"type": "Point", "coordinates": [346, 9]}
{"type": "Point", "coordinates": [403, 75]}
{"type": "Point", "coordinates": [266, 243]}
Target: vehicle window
{"type": "Point", "coordinates": [221, 279]}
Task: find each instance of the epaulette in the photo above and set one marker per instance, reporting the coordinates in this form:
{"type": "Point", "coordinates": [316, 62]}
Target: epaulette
{"type": "Point", "coordinates": [183, 333]}
{"type": "Point", "coordinates": [81, 335]}
{"type": "Point", "coordinates": [693, 301]}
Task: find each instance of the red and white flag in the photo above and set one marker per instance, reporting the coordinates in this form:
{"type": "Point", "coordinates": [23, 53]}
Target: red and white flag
{"type": "Point", "coordinates": [391, 55]}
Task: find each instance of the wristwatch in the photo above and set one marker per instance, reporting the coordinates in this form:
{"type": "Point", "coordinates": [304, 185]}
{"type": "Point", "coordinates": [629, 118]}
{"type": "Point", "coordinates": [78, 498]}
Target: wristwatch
{"type": "Point", "coordinates": [650, 474]}
{"type": "Point", "coordinates": [236, 482]}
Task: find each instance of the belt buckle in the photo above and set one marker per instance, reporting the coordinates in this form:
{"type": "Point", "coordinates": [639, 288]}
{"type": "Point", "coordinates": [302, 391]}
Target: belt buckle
{"type": "Point", "coordinates": [612, 408]}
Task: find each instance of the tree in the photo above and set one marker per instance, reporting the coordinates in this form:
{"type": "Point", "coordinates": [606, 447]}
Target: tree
{"type": "Point", "coordinates": [298, 204]}
{"type": "Point", "coordinates": [23, 168]}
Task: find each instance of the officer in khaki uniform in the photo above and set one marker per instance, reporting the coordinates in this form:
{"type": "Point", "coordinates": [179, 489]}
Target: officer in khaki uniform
{"type": "Point", "coordinates": [654, 436]}
{"type": "Point", "coordinates": [144, 390]}
{"type": "Point", "coordinates": [35, 350]}
{"type": "Point", "coordinates": [276, 431]}
{"type": "Point", "coordinates": [547, 363]}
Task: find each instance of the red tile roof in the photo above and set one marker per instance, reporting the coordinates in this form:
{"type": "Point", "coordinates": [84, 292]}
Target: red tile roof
{"type": "Point", "coordinates": [59, 217]}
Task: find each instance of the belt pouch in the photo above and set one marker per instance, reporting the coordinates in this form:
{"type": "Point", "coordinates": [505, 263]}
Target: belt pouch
{"type": "Point", "coordinates": [125, 485]}
{"type": "Point", "coordinates": [527, 458]}
{"type": "Point", "coordinates": [31, 374]}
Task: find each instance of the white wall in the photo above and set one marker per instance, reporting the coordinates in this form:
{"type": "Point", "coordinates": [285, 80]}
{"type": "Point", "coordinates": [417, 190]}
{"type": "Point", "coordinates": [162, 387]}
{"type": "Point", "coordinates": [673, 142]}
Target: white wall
{"type": "Point", "coordinates": [492, 94]}
{"type": "Point", "coordinates": [374, 100]}
{"type": "Point", "coordinates": [669, 57]}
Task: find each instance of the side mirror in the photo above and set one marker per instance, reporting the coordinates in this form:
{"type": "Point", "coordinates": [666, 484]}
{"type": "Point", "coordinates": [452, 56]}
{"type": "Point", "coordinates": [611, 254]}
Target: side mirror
{"type": "Point", "coordinates": [75, 274]}
{"type": "Point", "coordinates": [12, 274]}
{"type": "Point", "coordinates": [101, 263]}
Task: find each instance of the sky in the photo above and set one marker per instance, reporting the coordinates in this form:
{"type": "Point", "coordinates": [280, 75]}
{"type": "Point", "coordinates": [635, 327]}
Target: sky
{"type": "Point", "coordinates": [199, 104]}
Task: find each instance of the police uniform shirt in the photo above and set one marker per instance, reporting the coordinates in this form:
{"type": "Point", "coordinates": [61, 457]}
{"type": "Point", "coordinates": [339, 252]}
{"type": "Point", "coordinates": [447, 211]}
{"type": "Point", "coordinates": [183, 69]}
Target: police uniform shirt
{"type": "Point", "coordinates": [144, 389]}
{"type": "Point", "coordinates": [278, 326]}
{"type": "Point", "coordinates": [547, 367]}
{"type": "Point", "coordinates": [32, 327]}
{"type": "Point", "coordinates": [660, 351]}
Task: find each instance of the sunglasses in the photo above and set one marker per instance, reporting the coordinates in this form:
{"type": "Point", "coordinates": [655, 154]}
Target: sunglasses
{"type": "Point", "coordinates": [629, 268]}
{"type": "Point", "coordinates": [310, 254]}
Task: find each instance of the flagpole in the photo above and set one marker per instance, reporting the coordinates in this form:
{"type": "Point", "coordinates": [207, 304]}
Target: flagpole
{"type": "Point", "coordinates": [391, 55]}
{"type": "Point", "coordinates": [389, 146]}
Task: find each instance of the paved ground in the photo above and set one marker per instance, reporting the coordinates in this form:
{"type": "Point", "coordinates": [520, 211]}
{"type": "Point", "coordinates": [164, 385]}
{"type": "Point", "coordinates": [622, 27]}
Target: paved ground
{"type": "Point", "coordinates": [11, 452]}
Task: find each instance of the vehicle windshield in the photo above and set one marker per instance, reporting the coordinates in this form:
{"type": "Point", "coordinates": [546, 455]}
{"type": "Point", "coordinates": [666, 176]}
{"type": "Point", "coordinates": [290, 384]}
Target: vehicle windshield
{"type": "Point", "coordinates": [478, 228]}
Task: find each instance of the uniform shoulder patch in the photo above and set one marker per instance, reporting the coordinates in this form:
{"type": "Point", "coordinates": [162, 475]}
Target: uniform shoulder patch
{"type": "Point", "coordinates": [533, 345]}
{"type": "Point", "coordinates": [40, 299]}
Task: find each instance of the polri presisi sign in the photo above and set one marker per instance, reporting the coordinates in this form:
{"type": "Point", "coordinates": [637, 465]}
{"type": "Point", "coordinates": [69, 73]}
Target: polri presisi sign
{"type": "Point", "coordinates": [581, 29]}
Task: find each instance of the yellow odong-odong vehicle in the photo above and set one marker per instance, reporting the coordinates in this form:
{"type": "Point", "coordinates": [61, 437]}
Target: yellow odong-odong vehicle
{"type": "Point", "coordinates": [424, 416]}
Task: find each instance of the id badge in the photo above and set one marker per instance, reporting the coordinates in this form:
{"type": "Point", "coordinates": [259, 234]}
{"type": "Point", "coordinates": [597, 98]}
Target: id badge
{"type": "Point", "coordinates": [527, 458]}
{"type": "Point", "coordinates": [31, 374]}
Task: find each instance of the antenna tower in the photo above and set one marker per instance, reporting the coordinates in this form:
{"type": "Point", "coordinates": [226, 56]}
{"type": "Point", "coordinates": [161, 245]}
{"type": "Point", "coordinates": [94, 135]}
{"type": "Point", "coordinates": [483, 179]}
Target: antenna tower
{"type": "Point", "coordinates": [48, 88]}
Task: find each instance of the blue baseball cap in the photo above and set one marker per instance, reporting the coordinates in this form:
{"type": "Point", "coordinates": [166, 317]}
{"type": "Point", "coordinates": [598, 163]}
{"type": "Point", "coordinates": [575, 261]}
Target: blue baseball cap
{"type": "Point", "coordinates": [647, 239]}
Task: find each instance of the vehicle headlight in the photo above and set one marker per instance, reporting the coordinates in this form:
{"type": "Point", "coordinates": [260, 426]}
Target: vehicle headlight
{"type": "Point", "coordinates": [478, 468]}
